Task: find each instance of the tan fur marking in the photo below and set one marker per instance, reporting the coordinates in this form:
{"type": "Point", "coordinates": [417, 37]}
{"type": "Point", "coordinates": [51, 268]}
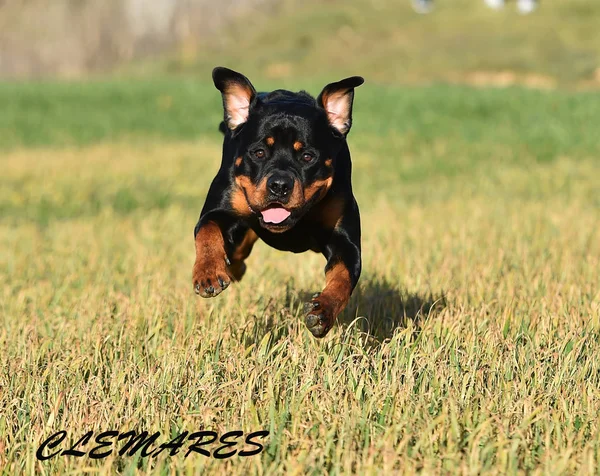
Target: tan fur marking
{"type": "Point", "coordinates": [270, 141]}
{"type": "Point", "coordinates": [210, 258]}
{"type": "Point", "coordinates": [298, 145]}
{"type": "Point", "coordinates": [210, 275]}
{"type": "Point", "coordinates": [334, 298]}
{"type": "Point", "coordinates": [245, 247]}
{"type": "Point", "coordinates": [318, 186]}
{"type": "Point", "coordinates": [239, 203]}
{"type": "Point", "coordinates": [210, 243]}
{"type": "Point", "coordinates": [237, 267]}
{"type": "Point", "coordinates": [238, 161]}
{"type": "Point", "coordinates": [337, 290]}
{"type": "Point", "coordinates": [332, 212]}
{"type": "Point", "coordinates": [328, 162]}
{"type": "Point", "coordinates": [337, 279]}
{"type": "Point", "coordinates": [255, 194]}
{"type": "Point", "coordinates": [297, 197]}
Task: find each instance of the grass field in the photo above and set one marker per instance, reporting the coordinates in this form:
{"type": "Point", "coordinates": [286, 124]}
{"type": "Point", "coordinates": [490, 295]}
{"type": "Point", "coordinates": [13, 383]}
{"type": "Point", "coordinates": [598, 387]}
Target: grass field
{"type": "Point", "coordinates": [470, 344]}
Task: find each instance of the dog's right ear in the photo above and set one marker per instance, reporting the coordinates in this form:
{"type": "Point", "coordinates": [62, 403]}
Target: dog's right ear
{"type": "Point", "coordinates": [238, 95]}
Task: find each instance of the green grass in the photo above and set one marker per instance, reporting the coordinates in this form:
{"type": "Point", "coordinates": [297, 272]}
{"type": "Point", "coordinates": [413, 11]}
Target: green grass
{"type": "Point", "coordinates": [541, 124]}
{"type": "Point", "coordinates": [76, 113]}
{"type": "Point", "coordinates": [469, 345]}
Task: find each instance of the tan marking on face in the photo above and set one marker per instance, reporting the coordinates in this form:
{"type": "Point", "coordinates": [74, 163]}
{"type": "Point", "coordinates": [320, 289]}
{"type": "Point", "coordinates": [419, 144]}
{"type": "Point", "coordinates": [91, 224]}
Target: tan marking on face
{"type": "Point", "coordinates": [318, 186]}
{"type": "Point", "coordinates": [297, 199]}
{"type": "Point", "coordinates": [248, 195]}
{"type": "Point", "coordinates": [239, 203]}
{"type": "Point", "coordinates": [298, 145]}
{"type": "Point", "coordinates": [238, 161]}
{"type": "Point", "coordinates": [270, 141]}
{"type": "Point", "coordinates": [328, 162]}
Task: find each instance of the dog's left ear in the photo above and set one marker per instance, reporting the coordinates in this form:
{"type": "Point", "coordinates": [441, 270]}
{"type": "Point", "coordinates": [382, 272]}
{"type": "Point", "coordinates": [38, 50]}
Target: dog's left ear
{"type": "Point", "coordinates": [238, 95]}
{"type": "Point", "coordinates": [336, 99]}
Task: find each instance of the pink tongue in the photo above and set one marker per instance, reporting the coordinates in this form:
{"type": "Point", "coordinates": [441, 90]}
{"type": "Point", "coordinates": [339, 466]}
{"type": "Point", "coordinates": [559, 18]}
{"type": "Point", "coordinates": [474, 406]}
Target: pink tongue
{"type": "Point", "coordinates": [275, 215]}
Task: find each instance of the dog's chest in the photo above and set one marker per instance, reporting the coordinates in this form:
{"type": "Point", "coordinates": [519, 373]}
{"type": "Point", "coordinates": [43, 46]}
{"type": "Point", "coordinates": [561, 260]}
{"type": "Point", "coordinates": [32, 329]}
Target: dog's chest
{"type": "Point", "coordinates": [296, 240]}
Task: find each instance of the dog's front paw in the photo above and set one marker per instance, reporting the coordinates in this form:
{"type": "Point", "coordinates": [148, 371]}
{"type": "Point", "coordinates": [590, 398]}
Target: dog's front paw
{"type": "Point", "coordinates": [210, 277]}
{"type": "Point", "coordinates": [320, 315]}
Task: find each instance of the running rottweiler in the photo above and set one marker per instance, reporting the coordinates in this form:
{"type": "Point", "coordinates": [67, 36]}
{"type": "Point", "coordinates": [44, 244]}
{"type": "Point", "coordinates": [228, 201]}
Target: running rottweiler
{"type": "Point", "coordinates": [285, 178]}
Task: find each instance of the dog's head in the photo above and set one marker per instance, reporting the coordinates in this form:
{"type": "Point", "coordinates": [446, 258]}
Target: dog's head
{"type": "Point", "coordinates": [283, 145]}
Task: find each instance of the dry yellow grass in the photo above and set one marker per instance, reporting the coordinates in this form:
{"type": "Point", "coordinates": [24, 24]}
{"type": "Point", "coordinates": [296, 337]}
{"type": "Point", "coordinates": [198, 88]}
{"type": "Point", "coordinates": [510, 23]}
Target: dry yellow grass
{"type": "Point", "coordinates": [480, 296]}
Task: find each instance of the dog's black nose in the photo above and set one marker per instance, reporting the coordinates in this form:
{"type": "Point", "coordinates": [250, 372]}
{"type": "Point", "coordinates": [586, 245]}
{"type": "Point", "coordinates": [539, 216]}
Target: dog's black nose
{"type": "Point", "coordinates": [280, 185]}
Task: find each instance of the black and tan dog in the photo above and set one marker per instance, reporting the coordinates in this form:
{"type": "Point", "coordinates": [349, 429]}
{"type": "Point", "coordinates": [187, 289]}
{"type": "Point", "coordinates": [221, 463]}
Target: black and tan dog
{"type": "Point", "coordinates": [284, 178]}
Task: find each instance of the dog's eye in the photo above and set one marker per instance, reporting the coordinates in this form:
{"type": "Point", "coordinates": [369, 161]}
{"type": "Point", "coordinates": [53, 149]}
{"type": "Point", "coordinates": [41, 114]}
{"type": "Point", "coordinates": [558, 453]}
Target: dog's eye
{"type": "Point", "coordinates": [307, 157]}
{"type": "Point", "coordinates": [259, 154]}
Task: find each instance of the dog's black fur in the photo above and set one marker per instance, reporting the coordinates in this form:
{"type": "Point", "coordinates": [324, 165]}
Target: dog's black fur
{"type": "Point", "coordinates": [285, 178]}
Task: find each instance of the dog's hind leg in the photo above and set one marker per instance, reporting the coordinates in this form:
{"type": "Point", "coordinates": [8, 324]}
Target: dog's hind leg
{"type": "Point", "coordinates": [241, 250]}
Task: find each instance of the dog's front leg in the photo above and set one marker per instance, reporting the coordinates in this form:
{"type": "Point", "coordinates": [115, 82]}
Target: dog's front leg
{"type": "Point", "coordinates": [210, 275]}
{"type": "Point", "coordinates": [341, 275]}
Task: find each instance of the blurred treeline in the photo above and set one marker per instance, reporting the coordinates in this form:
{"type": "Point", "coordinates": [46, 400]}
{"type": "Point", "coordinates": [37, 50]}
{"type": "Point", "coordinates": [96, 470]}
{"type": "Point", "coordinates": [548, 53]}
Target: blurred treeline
{"type": "Point", "coordinates": [71, 37]}
{"type": "Point", "coordinates": [460, 41]}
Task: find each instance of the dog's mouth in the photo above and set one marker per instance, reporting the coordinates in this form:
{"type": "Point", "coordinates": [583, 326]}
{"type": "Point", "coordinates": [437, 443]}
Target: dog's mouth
{"type": "Point", "coordinates": [275, 214]}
